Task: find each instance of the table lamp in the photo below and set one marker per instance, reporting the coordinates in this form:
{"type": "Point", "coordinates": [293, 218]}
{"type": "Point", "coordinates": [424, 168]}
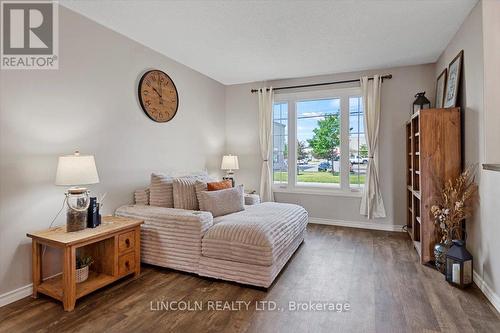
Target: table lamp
{"type": "Point", "coordinates": [229, 163]}
{"type": "Point", "coordinates": [76, 170]}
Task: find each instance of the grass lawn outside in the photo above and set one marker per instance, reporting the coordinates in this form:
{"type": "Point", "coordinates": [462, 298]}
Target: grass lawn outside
{"type": "Point", "coordinates": [319, 177]}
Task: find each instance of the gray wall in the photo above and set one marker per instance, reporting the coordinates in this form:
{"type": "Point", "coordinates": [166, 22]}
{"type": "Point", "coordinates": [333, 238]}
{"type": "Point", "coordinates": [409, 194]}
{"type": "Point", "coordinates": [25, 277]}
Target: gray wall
{"type": "Point", "coordinates": [397, 97]}
{"type": "Point", "coordinates": [90, 104]}
{"type": "Point", "coordinates": [478, 37]}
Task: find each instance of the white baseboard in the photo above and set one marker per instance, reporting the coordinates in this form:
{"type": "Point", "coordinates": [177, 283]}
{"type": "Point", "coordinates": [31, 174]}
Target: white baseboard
{"type": "Point", "coordinates": [19, 293]}
{"type": "Point", "coordinates": [358, 224]}
{"type": "Point", "coordinates": [16, 294]}
{"type": "Point", "coordinates": [487, 291]}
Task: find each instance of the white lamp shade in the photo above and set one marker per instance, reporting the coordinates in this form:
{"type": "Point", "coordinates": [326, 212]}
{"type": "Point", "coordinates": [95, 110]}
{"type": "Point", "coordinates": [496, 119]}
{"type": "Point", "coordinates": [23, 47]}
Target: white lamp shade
{"type": "Point", "coordinates": [229, 162]}
{"type": "Point", "coordinates": [76, 169]}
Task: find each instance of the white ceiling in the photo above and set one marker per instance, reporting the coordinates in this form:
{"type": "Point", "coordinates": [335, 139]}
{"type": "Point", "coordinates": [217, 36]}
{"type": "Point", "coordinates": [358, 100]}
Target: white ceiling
{"type": "Point", "coordinates": [245, 41]}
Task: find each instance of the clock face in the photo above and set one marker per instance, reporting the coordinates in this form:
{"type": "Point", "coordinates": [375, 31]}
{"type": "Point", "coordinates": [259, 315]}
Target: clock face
{"type": "Point", "coordinates": [158, 96]}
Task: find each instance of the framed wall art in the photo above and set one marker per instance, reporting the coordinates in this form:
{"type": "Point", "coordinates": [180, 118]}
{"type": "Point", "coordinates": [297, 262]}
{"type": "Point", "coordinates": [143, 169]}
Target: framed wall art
{"type": "Point", "coordinates": [453, 81]}
{"type": "Point", "coordinates": [440, 88]}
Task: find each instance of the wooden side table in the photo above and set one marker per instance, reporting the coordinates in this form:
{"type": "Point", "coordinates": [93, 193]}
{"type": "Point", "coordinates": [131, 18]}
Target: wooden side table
{"type": "Point", "coordinates": [114, 246]}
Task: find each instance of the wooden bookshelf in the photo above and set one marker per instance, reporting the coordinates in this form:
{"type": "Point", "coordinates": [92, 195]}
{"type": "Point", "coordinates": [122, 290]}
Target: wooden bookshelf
{"type": "Point", "coordinates": [433, 149]}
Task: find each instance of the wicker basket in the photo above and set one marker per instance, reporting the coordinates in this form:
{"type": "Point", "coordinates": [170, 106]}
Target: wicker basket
{"type": "Point", "coordinates": [82, 274]}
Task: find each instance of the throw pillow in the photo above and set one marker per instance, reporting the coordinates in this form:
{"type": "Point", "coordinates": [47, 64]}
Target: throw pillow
{"type": "Point", "coordinates": [215, 186]}
{"type": "Point", "coordinates": [161, 191]}
{"type": "Point", "coordinates": [222, 202]}
{"type": "Point", "coordinates": [199, 187]}
{"type": "Point", "coordinates": [185, 193]}
{"type": "Point", "coordinates": [141, 197]}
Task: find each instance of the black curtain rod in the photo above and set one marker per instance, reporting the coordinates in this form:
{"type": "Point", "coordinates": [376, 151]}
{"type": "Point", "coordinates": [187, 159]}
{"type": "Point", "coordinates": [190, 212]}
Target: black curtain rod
{"type": "Point", "coordinates": [385, 76]}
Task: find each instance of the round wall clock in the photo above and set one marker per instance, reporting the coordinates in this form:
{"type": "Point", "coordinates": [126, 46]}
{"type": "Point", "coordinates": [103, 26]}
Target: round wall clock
{"type": "Point", "coordinates": [158, 96]}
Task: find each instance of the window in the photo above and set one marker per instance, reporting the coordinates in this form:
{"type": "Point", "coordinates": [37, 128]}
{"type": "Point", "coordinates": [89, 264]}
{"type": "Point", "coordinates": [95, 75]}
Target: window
{"type": "Point", "coordinates": [280, 143]}
{"type": "Point", "coordinates": [318, 141]}
{"type": "Point", "coordinates": [358, 149]}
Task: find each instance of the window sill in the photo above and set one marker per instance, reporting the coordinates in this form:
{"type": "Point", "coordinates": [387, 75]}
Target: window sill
{"type": "Point", "coordinates": [332, 192]}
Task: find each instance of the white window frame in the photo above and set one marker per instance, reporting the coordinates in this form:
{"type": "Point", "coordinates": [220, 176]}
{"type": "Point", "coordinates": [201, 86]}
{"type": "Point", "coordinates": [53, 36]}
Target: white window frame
{"type": "Point", "coordinates": [317, 189]}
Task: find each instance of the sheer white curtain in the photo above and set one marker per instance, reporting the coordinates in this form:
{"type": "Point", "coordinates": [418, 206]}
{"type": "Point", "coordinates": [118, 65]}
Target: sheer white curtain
{"type": "Point", "coordinates": [265, 137]}
{"type": "Point", "coordinates": [372, 204]}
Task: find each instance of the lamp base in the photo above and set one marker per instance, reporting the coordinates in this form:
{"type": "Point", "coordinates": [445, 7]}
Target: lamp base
{"type": "Point", "coordinates": [229, 177]}
{"type": "Point", "coordinates": [77, 199]}
{"type": "Point", "coordinates": [76, 220]}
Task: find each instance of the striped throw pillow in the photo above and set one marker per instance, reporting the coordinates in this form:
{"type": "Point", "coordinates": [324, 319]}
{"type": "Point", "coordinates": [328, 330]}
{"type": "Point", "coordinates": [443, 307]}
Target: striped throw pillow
{"type": "Point", "coordinates": [161, 191]}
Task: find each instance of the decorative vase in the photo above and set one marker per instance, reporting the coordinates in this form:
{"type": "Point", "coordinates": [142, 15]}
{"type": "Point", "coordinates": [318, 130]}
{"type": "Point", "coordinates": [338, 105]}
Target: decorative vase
{"type": "Point", "coordinates": [82, 274]}
{"type": "Point", "coordinates": [440, 250]}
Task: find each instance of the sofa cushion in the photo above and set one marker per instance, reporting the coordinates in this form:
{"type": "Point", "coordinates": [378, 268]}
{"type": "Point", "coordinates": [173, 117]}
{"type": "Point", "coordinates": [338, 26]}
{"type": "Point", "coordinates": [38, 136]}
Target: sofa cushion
{"type": "Point", "coordinates": [258, 235]}
{"type": "Point", "coordinates": [222, 202]}
{"type": "Point", "coordinates": [161, 191]}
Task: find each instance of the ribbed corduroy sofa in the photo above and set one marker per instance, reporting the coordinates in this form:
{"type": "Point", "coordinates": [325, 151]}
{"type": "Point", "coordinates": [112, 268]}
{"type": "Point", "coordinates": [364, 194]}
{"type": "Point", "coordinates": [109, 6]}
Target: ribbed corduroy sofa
{"type": "Point", "coordinates": [249, 247]}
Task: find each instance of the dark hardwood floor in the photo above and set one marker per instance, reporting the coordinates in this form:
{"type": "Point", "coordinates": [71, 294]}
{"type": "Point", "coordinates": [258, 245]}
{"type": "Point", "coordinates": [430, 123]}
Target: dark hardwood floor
{"type": "Point", "coordinates": [377, 273]}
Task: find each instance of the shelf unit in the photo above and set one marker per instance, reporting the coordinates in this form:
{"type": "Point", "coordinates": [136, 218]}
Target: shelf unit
{"type": "Point", "coordinates": [433, 146]}
{"type": "Point", "coordinates": [54, 286]}
{"type": "Point", "coordinates": [114, 247]}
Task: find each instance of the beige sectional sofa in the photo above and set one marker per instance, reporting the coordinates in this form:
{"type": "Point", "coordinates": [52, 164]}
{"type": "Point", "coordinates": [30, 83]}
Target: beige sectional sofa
{"type": "Point", "coordinates": [249, 247]}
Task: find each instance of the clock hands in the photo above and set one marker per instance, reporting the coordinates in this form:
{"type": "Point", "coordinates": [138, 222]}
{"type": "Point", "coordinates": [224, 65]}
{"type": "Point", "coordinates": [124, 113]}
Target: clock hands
{"type": "Point", "coordinates": [159, 84]}
{"type": "Point", "coordinates": [159, 92]}
{"type": "Point", "coordinates": [156, 91]}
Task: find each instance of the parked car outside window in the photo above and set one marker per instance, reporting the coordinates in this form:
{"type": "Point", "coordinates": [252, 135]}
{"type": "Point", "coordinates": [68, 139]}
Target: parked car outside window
{"type": "Point", "coordinates": [324, 166]}
{"type": "Point", "coordinates": [358, 160]}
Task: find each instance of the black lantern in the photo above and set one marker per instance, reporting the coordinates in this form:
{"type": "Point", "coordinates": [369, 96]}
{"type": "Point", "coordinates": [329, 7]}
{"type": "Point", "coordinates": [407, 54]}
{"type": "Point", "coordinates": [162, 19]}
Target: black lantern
{"type": "Point", "coordinates": [459, 265]}
{"type": "Point", "coordinates": [421, 102]}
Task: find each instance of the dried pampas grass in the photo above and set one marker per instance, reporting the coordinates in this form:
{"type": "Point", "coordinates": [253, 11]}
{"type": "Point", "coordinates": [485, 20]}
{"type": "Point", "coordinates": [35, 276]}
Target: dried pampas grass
{"type": "Point", "coordinates": [455, 202]}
